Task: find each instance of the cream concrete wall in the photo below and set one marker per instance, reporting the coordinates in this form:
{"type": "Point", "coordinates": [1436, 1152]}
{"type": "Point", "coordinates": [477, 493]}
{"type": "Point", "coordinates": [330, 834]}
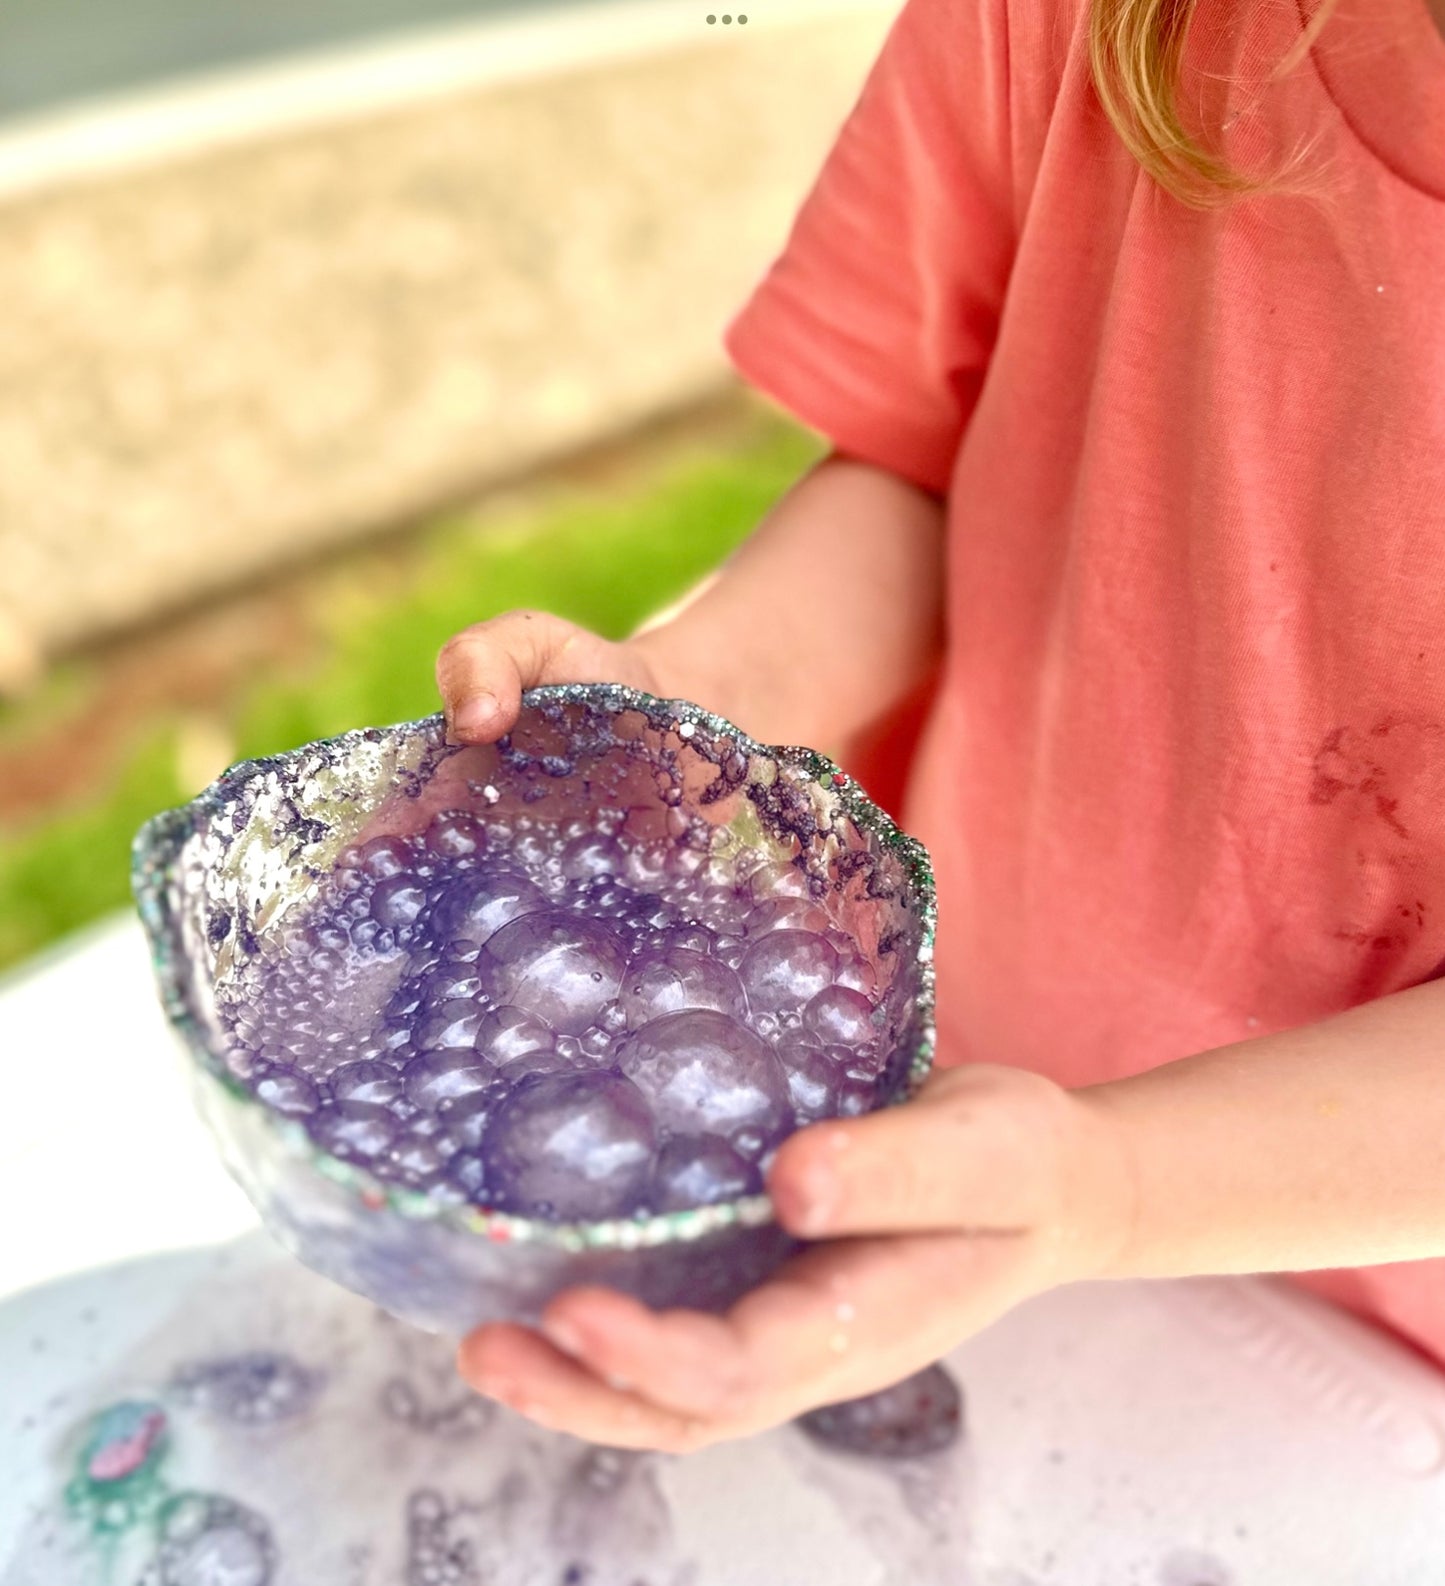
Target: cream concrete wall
{"type": "Point", "coordinates": [267, 313]}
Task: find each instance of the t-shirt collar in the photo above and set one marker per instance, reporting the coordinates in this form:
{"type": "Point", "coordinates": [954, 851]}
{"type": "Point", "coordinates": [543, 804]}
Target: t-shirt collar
{"type": "Point", "coordinates": [1383, 62]}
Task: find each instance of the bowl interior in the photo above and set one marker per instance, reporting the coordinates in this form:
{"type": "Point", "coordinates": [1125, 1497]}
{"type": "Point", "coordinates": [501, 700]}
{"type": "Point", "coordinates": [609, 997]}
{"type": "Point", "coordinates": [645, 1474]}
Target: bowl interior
{"type": "Point", "coordinates": [222, 880]}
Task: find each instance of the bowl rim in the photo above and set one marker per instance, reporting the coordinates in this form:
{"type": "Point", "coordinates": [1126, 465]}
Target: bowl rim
{"type": "Point", "coordinates": [157, 845]}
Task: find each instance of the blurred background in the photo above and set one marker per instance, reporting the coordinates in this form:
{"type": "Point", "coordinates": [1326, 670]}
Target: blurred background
{"type": "Point", "coordinates": [327, 330]}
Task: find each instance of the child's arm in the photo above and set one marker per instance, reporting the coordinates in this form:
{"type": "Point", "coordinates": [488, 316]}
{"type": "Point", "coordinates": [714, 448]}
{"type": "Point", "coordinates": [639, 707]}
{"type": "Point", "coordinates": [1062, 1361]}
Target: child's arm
{"type": "Point", "coordinates": [1318, 1147]}
{"type": "Point", "coordinates": [1321, 1147]}
{"type": "Point", "coordinates": [829, 613]}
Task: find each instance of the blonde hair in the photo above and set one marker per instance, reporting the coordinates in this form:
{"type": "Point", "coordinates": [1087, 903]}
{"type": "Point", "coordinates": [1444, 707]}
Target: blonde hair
{"type": "Point", "coordinates": [1136, 51]}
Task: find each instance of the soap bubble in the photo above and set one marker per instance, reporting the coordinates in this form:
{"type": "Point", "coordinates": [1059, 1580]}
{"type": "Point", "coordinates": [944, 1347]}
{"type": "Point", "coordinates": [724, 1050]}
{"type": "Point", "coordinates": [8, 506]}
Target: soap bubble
{"type": "Point", "coordinates": [700, 1170]}
{"type": "Point", "coordinates": [777, 881]}
{"type": "Point", "coordinates": [455, 835]}
{"type": "Point", "coordinates": [840, 1017]}
{"type": "Point", "coordinates": [554, 1060]}
{"type": "Point", "coordinates": [398, 901]}
{"type": "Point", "coordinates": [436, 1077]}
{"type": "Point", "coordinates": [595, 1043]}
{"type": "Point", "coordinates": [675, 978]}
{"type": "Point", "coordinates": [856, 973]}
{"type": "Point", "coordinates": [856, 1096]}
{"type": "Point", "coordinates": [858, 1062]}
{"type": "Point", "coordinates": [415, 1159]}
{"type": "Point", "coordinates": [729, 949]}
{"type": "Point", "coordinates": [451, 1024]}
{"type": "Point", "coordinates": [559, 966]}
{"type": "Point", "coordinates": [330, 934]}
{"type": "Point", "coordinates": [579, 1144]}
{"type": "Point", "coordinates": [395, 1037]}
{"type": "Point", "coordinates": [590, 857]}
{"type": "Point", "coordinates": [450, 980]}
{"type": "Point", "coordinates": [787, 914]}
{"type": "Point", "coordinates": [685, 861]}
{"type": "Point", "coordinates": [531, 851]}
{"type": "Point", "coordinates": [373, 1082]}
{"type": "Point", "coordinates": [508, 1033]}
{"type": "Point", "coordinates": [383, 857]}
{"type": "Point", "coordinates": [240, 1061]}
{"type": "Point", "coordinates": [705, 1073]}
{"type": "Point", "coordinates": [288, 1091]}
{"type": "Point", "coordinates": [607, 898]}
{"type": "Point", "coordinates": [786, 969]}
{"type": "Point", "coordinates": [465, 1117]}
{"type": "Point", "coordinates": [611, 1018]}
{"type": "Point", "coordinates": [750, 1142]}
{"type": "Point", "coordinates": [813, 1079]}
{"type": "Point", "coordinates": [467, 1171]}
{"type": "Point", "coordinates": [644, 865]}
{"type": "Point", "coordinates": [480, 904]}
{"type": "Point", "coordinates": [354, 1129]}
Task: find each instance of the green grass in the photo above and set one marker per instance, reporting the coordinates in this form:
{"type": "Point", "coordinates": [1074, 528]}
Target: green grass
{"type": "Point", "coordinates": [606, 560]}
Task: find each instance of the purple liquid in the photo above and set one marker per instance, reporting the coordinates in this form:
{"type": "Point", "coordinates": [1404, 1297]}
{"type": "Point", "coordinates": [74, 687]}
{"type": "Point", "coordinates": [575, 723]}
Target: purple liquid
{"type": "Point", "coordinates": [569, 1023]}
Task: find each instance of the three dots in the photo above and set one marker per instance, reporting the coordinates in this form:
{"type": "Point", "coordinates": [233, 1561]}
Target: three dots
{"type": "Point", "coordinates": [726, 18]}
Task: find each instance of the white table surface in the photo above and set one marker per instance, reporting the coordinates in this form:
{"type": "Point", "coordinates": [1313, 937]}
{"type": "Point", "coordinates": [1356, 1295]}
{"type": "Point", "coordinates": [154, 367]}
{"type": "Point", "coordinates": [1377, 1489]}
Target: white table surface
{"type": "Point", "coordinates": [1216, 1433]}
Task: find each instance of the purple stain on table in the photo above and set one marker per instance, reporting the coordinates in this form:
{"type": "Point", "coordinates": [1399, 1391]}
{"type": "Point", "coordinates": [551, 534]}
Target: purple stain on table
{"type": "Point", "coordinates": [1190, 1567]}
{"type": "Point", "coordinates": [561, 1024]}
{"type": "Point", "coordinates": [923, 1414]}
{"type": "Point", "coordinates": [613, 1522]}
{"type": "Point", "coordinates": [257, 1388]}
{"type": "Point", "coordinates": [452, 1417]}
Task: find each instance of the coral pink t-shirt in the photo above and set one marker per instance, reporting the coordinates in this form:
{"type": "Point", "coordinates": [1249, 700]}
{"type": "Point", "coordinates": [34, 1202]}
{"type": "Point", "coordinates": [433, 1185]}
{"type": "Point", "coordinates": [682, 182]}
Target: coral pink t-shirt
{"type": "Point", "coordinates": [1183, 778]}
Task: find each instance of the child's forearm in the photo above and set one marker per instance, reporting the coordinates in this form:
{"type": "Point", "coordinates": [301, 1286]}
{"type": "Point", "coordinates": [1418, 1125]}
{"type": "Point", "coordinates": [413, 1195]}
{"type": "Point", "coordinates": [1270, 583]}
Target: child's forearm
{"type": "Point", "coordinates": [1319, 1147]}
{"type": "Point", "coordinates": [830, 612]}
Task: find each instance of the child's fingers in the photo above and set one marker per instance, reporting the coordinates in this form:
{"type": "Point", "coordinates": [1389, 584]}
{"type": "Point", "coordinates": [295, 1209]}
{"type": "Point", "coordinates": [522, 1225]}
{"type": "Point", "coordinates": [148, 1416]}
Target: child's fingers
{"type": "Point", "coordinates": [977, 1149]}
{"type": "Point", "coordinates": [841, 1320]}
{"type": "Point", "coordinates": [482, 670]}
{"type": "Point", "coordinates": [521, 1370]}
{"type": "Point", "coordinates": [616, 1336]}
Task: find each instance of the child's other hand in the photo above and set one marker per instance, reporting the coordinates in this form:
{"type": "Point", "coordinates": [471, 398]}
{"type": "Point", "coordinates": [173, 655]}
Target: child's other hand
{"type": "Point", "coordinates": [933, 1218]}
{"type": "Point", "coordinates": [482, 670]}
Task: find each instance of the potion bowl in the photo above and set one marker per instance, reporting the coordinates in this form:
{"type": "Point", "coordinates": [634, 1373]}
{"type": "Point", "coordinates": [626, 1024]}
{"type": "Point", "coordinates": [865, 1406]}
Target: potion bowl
{"type": "Point", "coordinates": [219, 881]}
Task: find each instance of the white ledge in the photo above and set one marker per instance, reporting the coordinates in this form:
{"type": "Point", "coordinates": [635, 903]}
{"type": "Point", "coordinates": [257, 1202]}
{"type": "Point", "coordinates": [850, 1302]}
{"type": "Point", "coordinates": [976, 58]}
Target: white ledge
{"type": "Point", "coordinates": [323, 86]}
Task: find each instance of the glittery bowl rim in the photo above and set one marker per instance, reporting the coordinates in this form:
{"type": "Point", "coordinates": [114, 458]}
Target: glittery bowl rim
{"type": "Point", "coordinates": [157, 845]}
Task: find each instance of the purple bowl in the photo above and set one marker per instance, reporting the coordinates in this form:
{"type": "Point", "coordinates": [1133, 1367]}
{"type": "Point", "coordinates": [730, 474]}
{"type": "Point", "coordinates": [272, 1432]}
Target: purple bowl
{"type": "Point", "coordinates": [216, 879]}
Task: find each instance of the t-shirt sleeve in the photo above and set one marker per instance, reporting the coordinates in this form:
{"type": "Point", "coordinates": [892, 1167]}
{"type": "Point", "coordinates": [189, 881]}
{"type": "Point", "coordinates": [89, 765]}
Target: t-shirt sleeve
{"type": "Point", "coordinates": [874, 324]}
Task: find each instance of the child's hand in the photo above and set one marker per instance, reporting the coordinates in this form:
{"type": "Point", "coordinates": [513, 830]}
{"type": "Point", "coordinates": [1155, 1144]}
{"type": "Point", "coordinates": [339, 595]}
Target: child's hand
{"type": "Point", "coordinates": [937, 1217]}
{"type": "Point", "coordinates": [482, 670]}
